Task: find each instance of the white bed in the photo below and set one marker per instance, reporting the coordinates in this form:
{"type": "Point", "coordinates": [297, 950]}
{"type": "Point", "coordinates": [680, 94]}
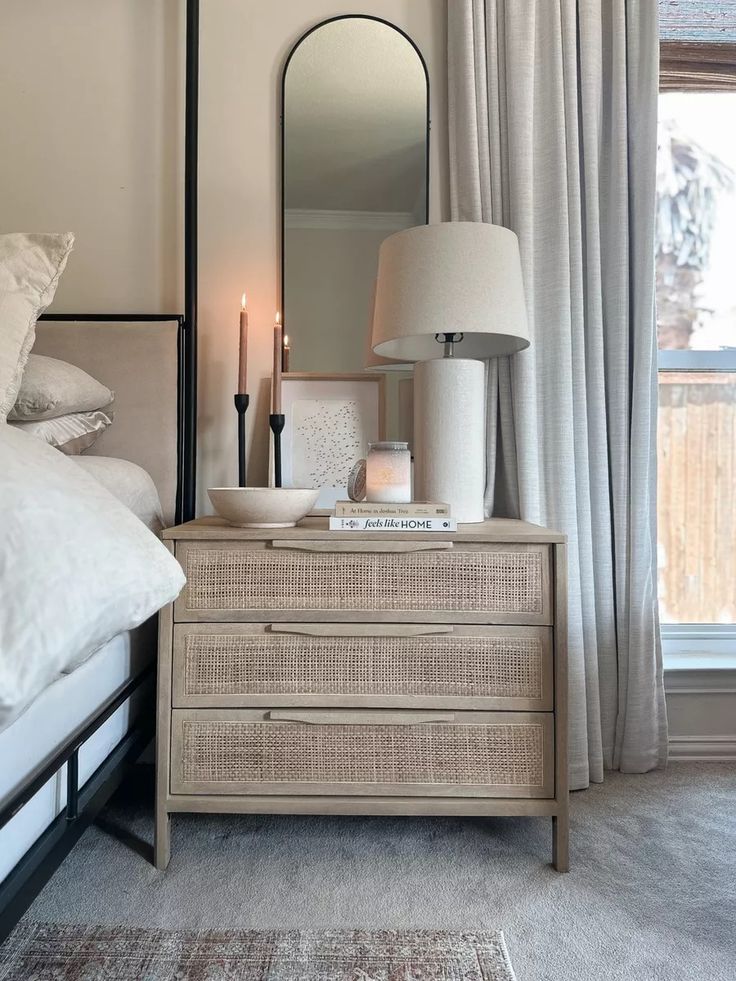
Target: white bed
{"type": "Point", "coordinates": [131, 484]}
{"type": "Point", "coordinates": [140, 363]}
{"type": "Point", "coordinates": [60, 710]}
{"type": "Point", "coordinates": [70, 702]}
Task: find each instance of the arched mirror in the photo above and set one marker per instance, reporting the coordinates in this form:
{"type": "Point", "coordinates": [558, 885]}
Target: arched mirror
{"type": "Point", "coordinates": [355, 169]}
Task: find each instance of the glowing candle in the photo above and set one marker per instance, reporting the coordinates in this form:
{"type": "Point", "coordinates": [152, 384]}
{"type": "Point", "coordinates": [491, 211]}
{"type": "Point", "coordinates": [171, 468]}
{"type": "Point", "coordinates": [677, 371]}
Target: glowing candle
{"type": "Point", "coordinates": [278, 354]}
{"type": "Point", "coordinates": [287, 352]}
{"type": "Point", "coordinates": [243, 354]}
{"type": "Point", "coordinates": [388, 473]}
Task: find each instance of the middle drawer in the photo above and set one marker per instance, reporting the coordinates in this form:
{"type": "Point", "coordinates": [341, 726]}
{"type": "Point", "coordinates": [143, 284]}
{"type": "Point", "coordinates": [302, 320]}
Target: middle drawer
{"type": "Point", "coordinates": [369, 664]}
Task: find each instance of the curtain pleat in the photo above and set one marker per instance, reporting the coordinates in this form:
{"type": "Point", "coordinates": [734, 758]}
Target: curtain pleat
{"type": "Point", "coordinates": [552, 110]}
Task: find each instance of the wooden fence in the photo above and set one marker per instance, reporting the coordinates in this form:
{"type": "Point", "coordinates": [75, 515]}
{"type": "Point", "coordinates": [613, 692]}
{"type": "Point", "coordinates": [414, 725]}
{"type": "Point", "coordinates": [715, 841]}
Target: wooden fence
{"type": "Point", "coordinates": [697, 497]}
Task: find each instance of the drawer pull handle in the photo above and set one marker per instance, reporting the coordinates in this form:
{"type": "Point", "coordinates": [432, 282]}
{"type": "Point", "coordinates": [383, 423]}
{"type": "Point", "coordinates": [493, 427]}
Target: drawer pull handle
{"type": "Point", "coordinates": [361, 629]}
{"type": "Point", "coordinates": [361, 546]}
{"type": "Point", "coordinates": [360, 718]}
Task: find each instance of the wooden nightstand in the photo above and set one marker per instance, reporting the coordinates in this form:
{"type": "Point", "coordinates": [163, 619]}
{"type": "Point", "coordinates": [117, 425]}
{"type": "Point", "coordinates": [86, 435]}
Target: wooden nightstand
{"type": "Point", "coordinates": [315, 672]}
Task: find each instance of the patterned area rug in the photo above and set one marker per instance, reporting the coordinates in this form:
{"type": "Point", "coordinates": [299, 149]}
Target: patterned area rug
{"type": "Point", "coordinates": [41, 951]}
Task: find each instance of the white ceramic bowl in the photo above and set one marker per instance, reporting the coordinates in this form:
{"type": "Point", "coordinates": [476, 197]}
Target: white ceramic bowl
{"type": "Point", "coordinates": [263, 507]}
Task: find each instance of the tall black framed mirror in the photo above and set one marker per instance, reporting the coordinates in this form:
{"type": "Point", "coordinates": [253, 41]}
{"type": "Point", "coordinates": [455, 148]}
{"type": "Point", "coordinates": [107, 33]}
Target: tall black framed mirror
{"type": "Point", "coordinates": [355, 169]}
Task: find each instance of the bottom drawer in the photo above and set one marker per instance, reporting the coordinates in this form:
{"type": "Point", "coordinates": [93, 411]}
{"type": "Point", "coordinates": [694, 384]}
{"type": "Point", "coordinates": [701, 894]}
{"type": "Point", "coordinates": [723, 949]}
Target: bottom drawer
{"type": "Point", "coordinates": [306, 752]}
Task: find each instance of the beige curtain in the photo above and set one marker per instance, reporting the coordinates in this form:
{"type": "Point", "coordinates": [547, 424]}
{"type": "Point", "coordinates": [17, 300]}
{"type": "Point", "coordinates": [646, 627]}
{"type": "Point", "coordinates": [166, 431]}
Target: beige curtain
{"type": "Point", "coordinates": [553, 133]}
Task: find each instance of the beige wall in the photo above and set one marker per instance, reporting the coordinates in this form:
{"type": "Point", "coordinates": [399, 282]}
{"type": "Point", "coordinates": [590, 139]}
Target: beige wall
{"type": "Point", "coordinates": [91, 143]}
{"type": "Point", "coordinates": [90, 100]}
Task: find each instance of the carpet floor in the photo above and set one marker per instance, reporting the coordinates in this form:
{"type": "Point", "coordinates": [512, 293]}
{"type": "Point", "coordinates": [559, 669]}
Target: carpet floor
{"type": "Point", "coordinates": [651, 895]}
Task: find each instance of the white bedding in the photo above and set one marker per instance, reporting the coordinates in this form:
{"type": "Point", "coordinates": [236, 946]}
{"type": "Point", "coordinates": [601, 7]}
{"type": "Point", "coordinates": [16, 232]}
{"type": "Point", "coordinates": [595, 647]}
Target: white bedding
{"type": "Point", "coordinates": [76, 569]}
{"type": "Point", "coordinates": [130, 483]}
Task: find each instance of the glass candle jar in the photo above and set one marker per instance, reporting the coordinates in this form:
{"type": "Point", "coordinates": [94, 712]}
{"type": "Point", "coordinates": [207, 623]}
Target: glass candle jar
{"type": "Point", "coordinates": [388, 473]}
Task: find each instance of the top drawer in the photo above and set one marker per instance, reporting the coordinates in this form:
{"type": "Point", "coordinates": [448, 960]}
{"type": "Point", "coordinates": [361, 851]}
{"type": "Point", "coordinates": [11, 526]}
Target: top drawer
{"type": "Point", "coordinates": [468, 583]}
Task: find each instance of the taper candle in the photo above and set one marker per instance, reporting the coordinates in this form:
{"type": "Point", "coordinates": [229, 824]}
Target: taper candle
{"type": "Point", "coordinates": [278, 354]}
{"type": "Point", "coordinates": [243, 351]}
{"type": "Point", "coordinates": [287, 352]}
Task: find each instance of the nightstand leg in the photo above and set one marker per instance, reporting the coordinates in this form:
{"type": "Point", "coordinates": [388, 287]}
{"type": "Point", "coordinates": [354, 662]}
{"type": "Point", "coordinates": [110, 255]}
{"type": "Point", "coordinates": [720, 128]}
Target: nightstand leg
{"type": "Point", "coordinates": [162, 839]}
{"type": "Point", "coordinates": [561, 842]}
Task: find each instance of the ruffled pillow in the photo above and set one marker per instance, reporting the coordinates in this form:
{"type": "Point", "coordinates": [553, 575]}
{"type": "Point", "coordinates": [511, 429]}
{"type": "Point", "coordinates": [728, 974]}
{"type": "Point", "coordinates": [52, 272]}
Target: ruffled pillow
{"type": "Point", "coordinates": [72, 434]}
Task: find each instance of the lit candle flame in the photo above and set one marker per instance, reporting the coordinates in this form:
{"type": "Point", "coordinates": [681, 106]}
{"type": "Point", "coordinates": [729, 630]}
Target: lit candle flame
{"type": "Point", "coordinates": [243, 301]}
{"type": "Point", "coordinates": [286, 340]}
{"type": "Point", "coordinates": [278, 316]}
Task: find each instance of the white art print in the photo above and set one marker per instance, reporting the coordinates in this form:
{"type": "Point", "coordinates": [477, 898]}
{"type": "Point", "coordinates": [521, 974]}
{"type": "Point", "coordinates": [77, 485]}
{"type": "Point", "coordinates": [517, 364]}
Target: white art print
{"type": "Point", "coordinates": [330, 420]}
{"type": "Point", "coordinates": [329, 436]}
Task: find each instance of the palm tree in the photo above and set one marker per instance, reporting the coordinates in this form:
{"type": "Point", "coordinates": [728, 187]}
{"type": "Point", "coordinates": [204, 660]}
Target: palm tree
{"type": "Point", "coordinates": [689, 183]}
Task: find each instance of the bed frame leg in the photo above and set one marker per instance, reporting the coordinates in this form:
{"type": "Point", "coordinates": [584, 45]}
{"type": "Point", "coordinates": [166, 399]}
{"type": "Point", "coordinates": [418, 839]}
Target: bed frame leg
{"type": "Point", "coordinates": [72, 787]}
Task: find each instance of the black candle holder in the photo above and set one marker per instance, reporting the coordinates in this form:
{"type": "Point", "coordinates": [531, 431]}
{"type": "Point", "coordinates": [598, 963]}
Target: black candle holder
{"type": "Point", "coordinates": [276, 421]}
{"type": "Point", "coordinates": [241, 404]}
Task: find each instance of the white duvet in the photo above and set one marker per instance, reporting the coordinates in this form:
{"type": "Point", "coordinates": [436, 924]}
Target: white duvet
{"type": "Point", "coordinates": [76, 568]}
{"type": "Point", "coordinates": [130, 483]}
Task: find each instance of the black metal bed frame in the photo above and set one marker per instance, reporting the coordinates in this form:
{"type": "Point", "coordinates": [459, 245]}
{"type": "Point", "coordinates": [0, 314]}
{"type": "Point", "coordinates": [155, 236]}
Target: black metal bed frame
{"type": "Point", "coordinates": [83, 804]}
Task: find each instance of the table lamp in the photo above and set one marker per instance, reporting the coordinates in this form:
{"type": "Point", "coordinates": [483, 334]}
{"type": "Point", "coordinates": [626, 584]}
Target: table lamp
{"type": "Point", "coordinates": [373, 361]}
{"type": "Point", "coordinates": [448, 295]}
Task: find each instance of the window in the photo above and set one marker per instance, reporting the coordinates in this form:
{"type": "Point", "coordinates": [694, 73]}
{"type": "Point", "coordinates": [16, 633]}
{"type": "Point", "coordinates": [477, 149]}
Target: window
{"type": "Point", "coordinates": [696, 326]}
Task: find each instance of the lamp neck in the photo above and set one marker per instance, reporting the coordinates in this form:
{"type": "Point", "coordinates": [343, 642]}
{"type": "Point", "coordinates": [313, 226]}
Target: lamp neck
{"type": "Point", "coordinates": [449, 341]}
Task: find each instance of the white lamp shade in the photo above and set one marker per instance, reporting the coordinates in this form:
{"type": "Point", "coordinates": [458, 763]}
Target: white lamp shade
{"type": "Point", "coordinates": [374, 362]}
{"type": "Point", "coordinates": [457, 277]}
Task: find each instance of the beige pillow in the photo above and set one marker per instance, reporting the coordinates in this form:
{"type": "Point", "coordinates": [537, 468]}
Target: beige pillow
{"type": "Point", "coordinates": [51, 388]}
{"type": "Point", "coordinates": [30, 267]}
{"type": "Point", "coordinates": [72, 434]}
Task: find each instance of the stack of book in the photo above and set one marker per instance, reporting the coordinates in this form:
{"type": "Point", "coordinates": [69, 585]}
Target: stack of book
{"type": "Point", "coordinates": [418, 516]}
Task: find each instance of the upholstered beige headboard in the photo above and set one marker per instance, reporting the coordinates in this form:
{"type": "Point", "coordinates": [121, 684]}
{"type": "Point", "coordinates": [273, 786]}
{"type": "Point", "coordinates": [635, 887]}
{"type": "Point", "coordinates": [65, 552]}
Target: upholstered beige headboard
{"type": "Point", "coordinates": [138, 361]}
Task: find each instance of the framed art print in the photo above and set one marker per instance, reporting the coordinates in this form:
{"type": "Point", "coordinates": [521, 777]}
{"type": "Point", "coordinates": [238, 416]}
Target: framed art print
{"type": "Point", "coordinates": [330, 420]}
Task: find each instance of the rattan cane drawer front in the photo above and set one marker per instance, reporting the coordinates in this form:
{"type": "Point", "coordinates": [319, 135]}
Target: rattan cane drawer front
{"type": "Point", "coordinates": [471, 583]}
{"type": "Point", "coordinates": [370, 665]}
{"type": "Point", "coordinates": [308, 752]}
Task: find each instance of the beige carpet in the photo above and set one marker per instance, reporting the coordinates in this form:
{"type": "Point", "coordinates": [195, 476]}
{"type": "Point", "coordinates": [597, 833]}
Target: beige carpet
{"type": "Point", "coordinates": [651, 895]}
{"type": "Point", "coordinates": [49, 952]}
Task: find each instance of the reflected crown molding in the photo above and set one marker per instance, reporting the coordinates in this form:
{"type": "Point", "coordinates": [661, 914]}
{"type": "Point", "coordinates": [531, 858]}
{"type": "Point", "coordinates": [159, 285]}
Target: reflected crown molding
{"type": "Point", "coordinates": [388, 221]}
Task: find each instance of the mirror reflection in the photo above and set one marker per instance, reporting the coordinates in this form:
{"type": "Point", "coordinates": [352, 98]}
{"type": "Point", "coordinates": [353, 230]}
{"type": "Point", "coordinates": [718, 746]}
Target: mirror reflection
{"type": "Point", "coordinates": [354, 171]}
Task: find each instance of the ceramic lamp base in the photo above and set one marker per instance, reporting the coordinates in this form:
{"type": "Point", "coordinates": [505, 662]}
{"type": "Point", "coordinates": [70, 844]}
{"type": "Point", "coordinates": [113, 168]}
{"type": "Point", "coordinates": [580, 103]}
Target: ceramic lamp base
{"type": "Point", "coordinates": [449, 435]}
